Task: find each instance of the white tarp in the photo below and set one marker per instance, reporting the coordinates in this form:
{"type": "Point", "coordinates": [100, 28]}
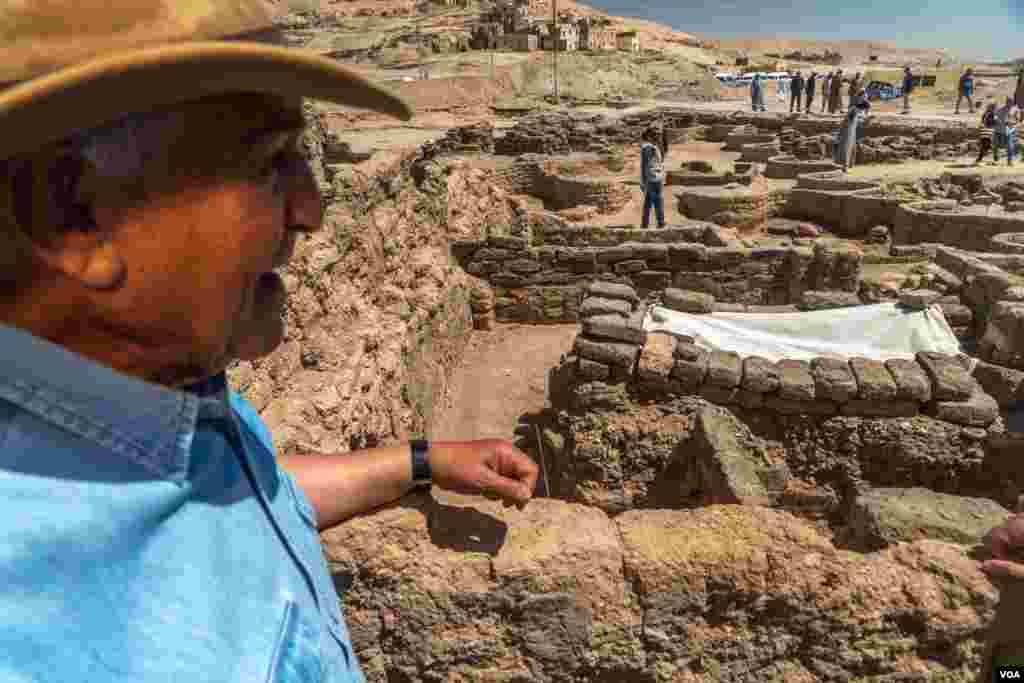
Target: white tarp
{"type": "Point", "coordinates": [881, 332]}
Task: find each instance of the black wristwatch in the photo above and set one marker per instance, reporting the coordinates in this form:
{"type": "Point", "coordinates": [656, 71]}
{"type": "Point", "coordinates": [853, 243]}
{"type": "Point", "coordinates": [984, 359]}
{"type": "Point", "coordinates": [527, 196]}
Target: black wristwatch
{"type": "Point", "coordinates": [420, 452]}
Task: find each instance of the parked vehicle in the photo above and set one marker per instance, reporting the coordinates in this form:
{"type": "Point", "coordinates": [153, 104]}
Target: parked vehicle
{"type": "Point", "coordinates": [881, 90]}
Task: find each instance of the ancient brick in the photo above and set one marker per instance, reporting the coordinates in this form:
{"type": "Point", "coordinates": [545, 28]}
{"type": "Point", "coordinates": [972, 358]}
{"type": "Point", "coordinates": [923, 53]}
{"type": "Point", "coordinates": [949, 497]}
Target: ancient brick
{"type": "Point", "coordinates": [591, 371]}
{"type": "Point", "coordinates": [950, 381]}
{"type": "Point", "coordinates": [613, 290]}
{"type": "Point", "coordinates": [957, 315]}
{"type": "Point", "coordinates": [912, 383]}
{"type": "Point", "coordinates": [491, 254]}
{"type": "Point", "coordinates": [833, 379]}
{"type": "Point", "coordinates": [719, 395]}
{"type": "Point", "coordinates": [688, 351]}
{"type": "Point", "coordinates": [919, 298]}
{"type": "Point", "coordinates": [652, 279]}
{"type": "Point", "coordinates": [508, 242]}
{"type": "Point", "coordinates": [687, 302]}
{"type": "Point", "coordinates": [980, 410]}
{"type": "Point", "coordinates": [751, 400]}
{"type": "Point", "coordinates": [523, 266]}
{"type": "Point", "coordinates": [789, 407]}
{"type": "Point", "coordinates": [795, 381]}
{"type": "Point", "coordinates": [686, 255]}
{"type": "Point", "coordinates": [827, 299]}
{"type": "Point", "coordinates": [615, 327]}
{"type": "Point", "coordinates": [691, 373]}
{"type": "Point", "coordinates": [615, 354]}
{"type": "Point", "coordinates": [631, 266]}
{"type": "Point", "coordinates": [874, 382]}
{"type": "Point", "coordinates": [725, 370]}
{"type": "Point", "coordinates": [592, 306]}
{"type": "Point", "coordinates": [657, 357]}
{"type": "Point", "coordinates": [760, 375]}
{"type": "Point", "coordinates": [862, 408]}
{"type": "Point", "coordinates": [653, 253]}
{"type": "Point", "coordinates": [720, 307]}
{"type": "Point", "coordinates": [1003, 384]}
{"type": "Point", "coordinates": [462, 250]}
{"type": "Point", "coordinates": [614, 254]}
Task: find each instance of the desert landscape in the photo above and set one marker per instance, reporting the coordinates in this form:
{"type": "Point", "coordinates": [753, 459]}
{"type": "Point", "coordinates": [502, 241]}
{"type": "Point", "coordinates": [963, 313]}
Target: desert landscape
{"type": "Point", "coordinates": [704, 514]}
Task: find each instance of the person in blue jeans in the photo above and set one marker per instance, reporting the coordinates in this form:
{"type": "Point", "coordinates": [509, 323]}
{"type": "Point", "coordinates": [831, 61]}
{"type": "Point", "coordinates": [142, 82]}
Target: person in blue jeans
{"type": "Point", "coordinates": [652, 177]}
{"type": "Point", "coordinates": [965, 89]}
{"type": "Point", "coordinates": [1007, 118]}
{"type": "Point", "coordinates": [757, 94]}
{"type": "Point", "coordinates": [148, 529]}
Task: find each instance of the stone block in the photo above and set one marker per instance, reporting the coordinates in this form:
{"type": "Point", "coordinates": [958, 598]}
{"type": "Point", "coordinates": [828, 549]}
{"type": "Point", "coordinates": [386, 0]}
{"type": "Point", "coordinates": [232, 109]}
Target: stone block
{"type": "Point", "coordinates": [492, 254]}
{"type": "Point", "coordinates": [508, 242]}
{"type": "Point", "coordinates": [950, 380]}
{"type": "Point", "coordinates": [751, 400]}
{"type": "Point", "coordinates": [657, 358]}
{"type": "Point", "coordinates": [872, 408]}
{"type": "Point", "coordinates": [613, 290]}
{"type": "Point", "coordinates": [720, 307]}
{"type": "Point", "coordinates": [615, 327]}
{"type": "Point", "coordinates": [824, 300]}
{"type": "Point", "coordinates": [691, 373]}
{"type": "Point", "coordinates": [523, 266]}
{"type": "Point", "coordinates": [687, 302]}
{"type": "Point", "coordinates": [652, 279]}
{"type": "Point", "coordinates": [760, 375]}
{"type": "Point", "coordinates": [1003, 384]}
{"type": "Point", "coordinates": [719, 395]}
{"type": "Point", "coordinates": [631, 266]}
{"type": "Point", "coordinates": [919, 299]}
{"type": "Point", "coordinates": [591, 371]}
{"type": "Point", "coordinates": [912, 383]}
{"type": "Point", "coordinates": [980, 410]}
{"type": "Point", "coordinates": [833, 379]}
{"type": "Point", "coordinates": [957, 315]}
{"type": "Point", "coordinates": [653, 253]}
{"type": "Point", "coordinates": [788, 407]}
{"type": "Point", "coordinates": [874, 382]}
{"type": "Point", "coordinates": [688, 351]}
{"type": "Point", "coordinates": [686, 255]}
{"type": "Point", "coordinates": [593, 306]}
{"type": "Point", "coordinates": [615, 354]}
{"type": "Point", "coordinates": [795, 380]}
{"type": "Point", "coordinates": [887, 516]}
{"type": "Point", "coordinates": [614, 254]}
{"type": "Point", "coordinates": [725, 369]}
{"type": "Point", "coordinates": [729, 471]}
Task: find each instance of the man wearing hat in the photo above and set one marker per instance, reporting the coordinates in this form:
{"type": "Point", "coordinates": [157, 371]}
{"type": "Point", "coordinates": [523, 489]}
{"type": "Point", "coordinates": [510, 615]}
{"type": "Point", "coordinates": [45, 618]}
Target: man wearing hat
{"type": "Point", "coordinates": [150, 185]}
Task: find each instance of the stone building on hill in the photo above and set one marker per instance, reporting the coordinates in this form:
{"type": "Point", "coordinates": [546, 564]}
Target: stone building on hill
{"type": "Point", "coordinates": [595, 37]}
{"type": "Point", "coordinates": [567, 35]}
{"type": "Point", "coordinates": [628, 41]}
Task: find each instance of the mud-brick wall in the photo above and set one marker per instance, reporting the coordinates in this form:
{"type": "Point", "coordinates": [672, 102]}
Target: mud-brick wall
{"type": "Point", "coordinates": [973, 232]}
{"type": "Point", "coordinates": [528, 175]}
{"type": "Point", "coordinates": [544, 283]}
{"type": "Point", "coordinates": [850, 214]}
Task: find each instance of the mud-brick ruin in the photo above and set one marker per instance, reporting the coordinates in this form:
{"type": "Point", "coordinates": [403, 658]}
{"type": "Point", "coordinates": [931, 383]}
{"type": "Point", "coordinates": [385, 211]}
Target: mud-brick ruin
{"type": "Point", "coordinates": [703, 516]}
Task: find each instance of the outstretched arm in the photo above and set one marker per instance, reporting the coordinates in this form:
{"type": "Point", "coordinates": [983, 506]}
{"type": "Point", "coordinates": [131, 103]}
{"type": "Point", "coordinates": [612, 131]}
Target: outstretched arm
{"type": "Point", "coordinates": [343, 486]}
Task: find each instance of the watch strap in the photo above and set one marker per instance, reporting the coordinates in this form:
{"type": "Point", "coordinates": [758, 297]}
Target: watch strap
{"type": "Point", "coordinates": [420, 454]}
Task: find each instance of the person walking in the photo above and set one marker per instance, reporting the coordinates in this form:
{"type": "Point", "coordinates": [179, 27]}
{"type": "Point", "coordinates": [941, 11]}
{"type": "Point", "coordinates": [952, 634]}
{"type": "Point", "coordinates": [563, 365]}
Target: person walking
{"type": "Point", "coordinates": [965, 89]}
{"type": "Point", "coordinates": [652, 177]}
{"type": "Point", "coordinates": [1007, 118]}
{"type": "Point", "coordinates": [988, 122]}
{"type": "Point", "coordinates": [812, 84]}
{"type": "Point", "coordinates": [796, 92]}
{"type": "Point", "coordinates": [757, 93]}
{"type": "Point", "coordinates": [855, 85]}
{"type": "Point", "coordinates": [835, 99]}
{"type": "Point", "coordinates": [826, 91]}
{"type": "Point", "coordinates": [845, 149]}
{"type": "Point", "coordinates": [908, 86]}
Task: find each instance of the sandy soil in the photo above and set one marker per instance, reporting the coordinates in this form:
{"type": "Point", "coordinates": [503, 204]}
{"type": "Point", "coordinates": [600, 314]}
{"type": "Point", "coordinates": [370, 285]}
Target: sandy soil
{"type": "Point", "coordinates": [502, 377]}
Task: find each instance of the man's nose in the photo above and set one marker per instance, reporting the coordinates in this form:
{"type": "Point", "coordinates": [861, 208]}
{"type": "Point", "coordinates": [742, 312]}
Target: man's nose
{"type": "Point", "coordinates": [304, 208]}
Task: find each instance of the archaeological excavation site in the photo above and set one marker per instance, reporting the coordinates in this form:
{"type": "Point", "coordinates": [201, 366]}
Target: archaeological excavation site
{"type": "Point", "coordinates": [772, 432]}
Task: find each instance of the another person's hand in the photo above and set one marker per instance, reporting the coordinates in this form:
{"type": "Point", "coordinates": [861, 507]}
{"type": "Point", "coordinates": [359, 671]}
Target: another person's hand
{"type": "Point", "coordinates": [1006, 542]}
{"type": "Point", "coordinates": [490, 467]}
{"type": "Point", "coordinates": [1006, 569]}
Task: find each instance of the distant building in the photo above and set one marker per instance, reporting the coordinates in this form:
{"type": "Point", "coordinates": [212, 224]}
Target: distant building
{"type": "Point", "coordinates": [628, 41]}
{"type": "Point", "coordinates": [567, 35]}
{"type": "Point", "coordinates": [539, 8]}
{"type": "Point", "coordinates": [517, 42]}
{"type": "Point", "coordinates": [596, 38]}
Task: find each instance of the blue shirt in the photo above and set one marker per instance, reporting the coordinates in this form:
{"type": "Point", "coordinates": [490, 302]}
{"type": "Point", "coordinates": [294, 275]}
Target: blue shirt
{"type": "Point", "coordinates": [148, 534]}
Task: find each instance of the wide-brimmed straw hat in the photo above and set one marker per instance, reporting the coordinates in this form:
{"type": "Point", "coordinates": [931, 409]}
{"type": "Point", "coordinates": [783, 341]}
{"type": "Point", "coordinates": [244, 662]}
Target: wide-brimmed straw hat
{"type": "Point", "coordinates": [69, 65]}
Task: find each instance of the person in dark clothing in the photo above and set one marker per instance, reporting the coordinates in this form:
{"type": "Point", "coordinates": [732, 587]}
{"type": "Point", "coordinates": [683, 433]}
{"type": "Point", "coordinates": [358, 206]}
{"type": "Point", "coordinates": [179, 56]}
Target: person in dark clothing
{"type": "Point", "coordinates": [809, 88]}
{"type": "Point", "coordinates": [757, 94]}
{"type": "Point", "coordinates": [796, 92]}
{"type": "Point", "coordinates": [908, 85]}
{"type": "Point", "coordinates": [988, 122]}
{"type": "Point", "coordinates": [652, 177]}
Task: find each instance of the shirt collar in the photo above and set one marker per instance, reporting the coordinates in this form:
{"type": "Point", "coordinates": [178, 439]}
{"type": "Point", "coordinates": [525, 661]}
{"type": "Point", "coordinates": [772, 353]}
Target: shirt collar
{"type": "Point", "coordinates": [143, 422]}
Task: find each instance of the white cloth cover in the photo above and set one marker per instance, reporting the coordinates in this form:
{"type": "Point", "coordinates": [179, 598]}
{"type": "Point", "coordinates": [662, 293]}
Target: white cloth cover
{"type": "Point", "coordinates": [881, 332]}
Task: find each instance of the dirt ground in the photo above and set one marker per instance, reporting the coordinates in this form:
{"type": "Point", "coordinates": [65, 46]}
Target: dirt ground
{"type": "Point", "coordinates": [502, 377]}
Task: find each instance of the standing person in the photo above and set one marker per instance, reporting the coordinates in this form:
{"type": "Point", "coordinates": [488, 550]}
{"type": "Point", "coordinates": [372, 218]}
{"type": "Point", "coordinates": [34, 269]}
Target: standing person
{"type": "Point", "coordinates": [150, 530]}
{"type": "Point", "coordinates": [1005, 130]}
{"type": "Point", "coordinates": [757, 93]}
{"type": "Point", "coordinates": [854, 85]}
{"type": "Point", "coordinates": [652, 177]}
{"type": "Point", "coordinates": [988, 122]}
{"type": "Point", "coordinates": [845, 151]}
{"type": "Point", "coordinates": [908, 86]}
{"type": "Point", "coordinates": [796, 92]}
{"type": "Point", "coordinates": [1018, 94]}
{"type": "Point", "coordinates": [812, 84]}
{"type": "Point", "coordinates": [966, 89]}
{"type": "Point", "coordinates": [826, 91]}
{"type": "Point", "coordinates": [835, 100]}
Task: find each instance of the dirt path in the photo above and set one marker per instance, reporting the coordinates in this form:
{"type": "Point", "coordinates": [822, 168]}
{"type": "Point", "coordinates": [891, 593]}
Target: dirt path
{"type": "Point", "coordinates": [502, 376]}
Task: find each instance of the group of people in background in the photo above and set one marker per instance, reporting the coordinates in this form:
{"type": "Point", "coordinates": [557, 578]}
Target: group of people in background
{"type": "Point", "coordinates": [802, 91]}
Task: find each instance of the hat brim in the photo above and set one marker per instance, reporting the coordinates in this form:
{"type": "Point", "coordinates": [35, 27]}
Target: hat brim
{"type": "Point", "coordinates": [52, 107]}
